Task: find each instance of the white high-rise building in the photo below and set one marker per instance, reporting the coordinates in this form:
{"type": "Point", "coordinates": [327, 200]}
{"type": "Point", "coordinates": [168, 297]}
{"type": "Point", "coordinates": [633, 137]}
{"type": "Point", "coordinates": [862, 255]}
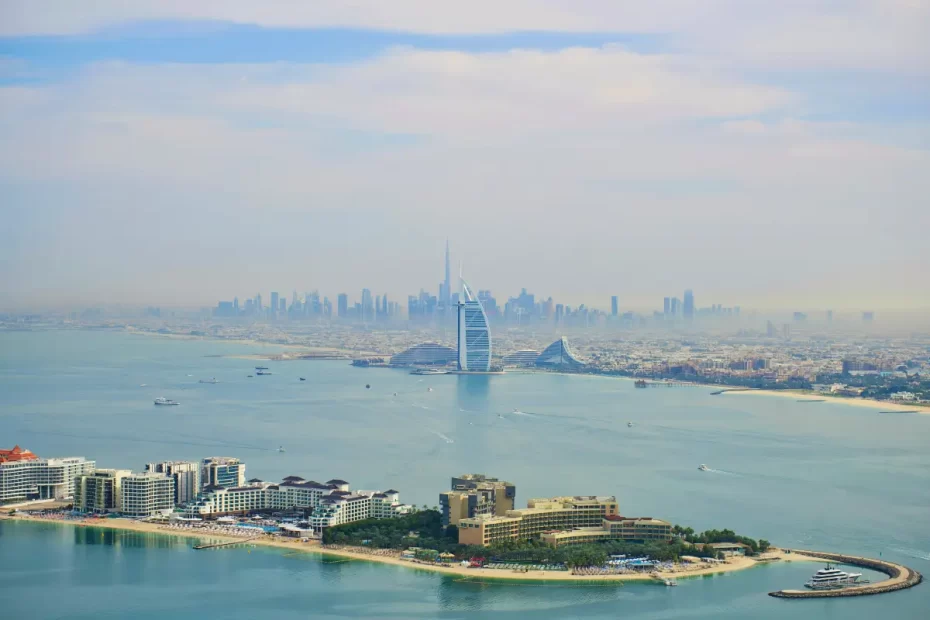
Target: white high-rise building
{"type": "Point", "coordinates": [146, 494]}
{"type": "Point", "coordinates": [474, 334]}
{"type": "Point", "coordinates": [36, 478]}
{"type": "Point", "coordinates": [186, 476]}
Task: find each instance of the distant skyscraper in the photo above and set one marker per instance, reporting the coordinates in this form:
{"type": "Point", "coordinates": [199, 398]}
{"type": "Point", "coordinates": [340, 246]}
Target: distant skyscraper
{"type": "Point", "coordinates": [666, 306]}
{"type": "Point", "coordinates": [474, 334]}
{"type": "Point", "coordinates": [770, 329]}
{"type": "Point", "coordinates": [368, 307]}
{"type": "Point", "coordinates": [446, 296]}
{"type": "Point", "coordinates": [613, 306]}
{"type": "Point", "coordinates": [688, 306]}
{"type": "Point", "coordinates": [867, 317]}
{"type": "Point", "coordinates": [274, 303]}
{"type": "Point", "coordinates": [829, 316]}
{"type": "Point", "coordinates": [236, 305]}
{"type": "Point", "coordinates": [675, 306]}
{"type": "Point", "coordinates": [342, 305]}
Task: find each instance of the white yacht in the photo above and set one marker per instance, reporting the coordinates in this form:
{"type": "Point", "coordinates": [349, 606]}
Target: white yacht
{"type": "Point", "coordinates": [832, 577]}
{"type": "Point", "coordinates": [210, 380]}
{"type": "Point", "coordinates": [281, 449]}
{"type": "Point", "coordinates": [161, 400]}
{"type": "Point", "coordinates": [703, 467]}
{"type": "Point", "coordinates": [629, 425]}
{"type": "Point", "coordinates": [429, 371]}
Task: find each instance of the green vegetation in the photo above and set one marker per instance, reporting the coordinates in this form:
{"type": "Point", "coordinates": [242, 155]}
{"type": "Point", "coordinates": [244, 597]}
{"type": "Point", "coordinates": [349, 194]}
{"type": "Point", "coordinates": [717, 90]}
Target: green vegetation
{"type": "Point", "coordinates": [423, 529]}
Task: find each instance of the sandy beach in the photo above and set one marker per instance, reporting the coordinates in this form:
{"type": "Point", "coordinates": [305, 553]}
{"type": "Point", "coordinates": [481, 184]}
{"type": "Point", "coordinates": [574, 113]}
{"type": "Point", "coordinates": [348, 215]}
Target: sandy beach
{"type": "Point", "coordinates": [683, 570]}
{"type": "Point", "coordinates": [857, 402]}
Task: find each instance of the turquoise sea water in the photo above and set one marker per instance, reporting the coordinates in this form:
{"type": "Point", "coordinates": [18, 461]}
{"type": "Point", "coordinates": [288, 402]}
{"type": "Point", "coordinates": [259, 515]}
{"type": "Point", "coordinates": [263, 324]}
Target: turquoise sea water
{"type": "Point", "coordinates": [821, 476]}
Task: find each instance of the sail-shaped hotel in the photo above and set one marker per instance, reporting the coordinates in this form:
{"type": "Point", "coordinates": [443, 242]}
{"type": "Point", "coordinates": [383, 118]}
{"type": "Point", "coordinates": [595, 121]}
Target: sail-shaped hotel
{"type": "Point", "coordinates": [474, 334]}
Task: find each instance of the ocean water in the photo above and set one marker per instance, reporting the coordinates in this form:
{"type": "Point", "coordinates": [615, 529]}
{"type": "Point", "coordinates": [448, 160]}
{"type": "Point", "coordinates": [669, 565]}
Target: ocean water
{"type": "Point", "coordinates": [821, 476]}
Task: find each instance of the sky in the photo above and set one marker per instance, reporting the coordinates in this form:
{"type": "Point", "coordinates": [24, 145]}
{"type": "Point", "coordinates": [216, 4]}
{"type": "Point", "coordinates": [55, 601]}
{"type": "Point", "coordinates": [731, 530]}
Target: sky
{"type": "Point", "coordinates": [771, 155]}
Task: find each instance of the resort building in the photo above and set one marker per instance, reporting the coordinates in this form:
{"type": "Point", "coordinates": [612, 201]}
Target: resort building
{"type": "Point", "coordinates": [25, 476]}
{"type": "Point", "coordinates": [559, 355]}
{"type": "Point", "coordinates": [99, 491]}
{"type": "Point", "coordinates": [331, 503]}
{"type": "Point", "coordinates": [426, 354]}
{"type": "Point", "coordinates": [186, 475]}
{"type": "Point", "coordinates": [521, 359]}
{"type": "Point", "coordinates": [539, 517]}
{"type": "Point", "coordinates": [626, 529]}
{"type": "Point", "coordinates": [146, 494]}
{"type": "Point", "coordinates": [474, 335]}
{"type": "Point", "coordinates": [476, 494]}
{"type": "Point", "coordinates": [223, 471]}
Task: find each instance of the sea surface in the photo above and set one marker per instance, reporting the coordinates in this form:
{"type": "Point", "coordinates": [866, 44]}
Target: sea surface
{"type": "Point", "coordinates": [823, 476]}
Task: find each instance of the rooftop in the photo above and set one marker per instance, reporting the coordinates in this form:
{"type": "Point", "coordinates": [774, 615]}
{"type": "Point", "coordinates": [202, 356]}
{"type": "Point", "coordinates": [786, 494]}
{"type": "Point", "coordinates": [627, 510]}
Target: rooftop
{"type": "Point", "coordinates": [16, 454]}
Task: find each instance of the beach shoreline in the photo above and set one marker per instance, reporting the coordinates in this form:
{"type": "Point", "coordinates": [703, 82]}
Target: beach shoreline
{"type": "Point", "coordinates": [807, 396]}
{"type": "Point", "coordinates": [682, 571]}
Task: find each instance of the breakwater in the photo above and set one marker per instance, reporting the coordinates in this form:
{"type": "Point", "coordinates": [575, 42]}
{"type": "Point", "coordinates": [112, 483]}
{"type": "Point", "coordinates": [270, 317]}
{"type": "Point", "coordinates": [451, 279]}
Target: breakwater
{"type": "Point", "coordinates": [900, 578]}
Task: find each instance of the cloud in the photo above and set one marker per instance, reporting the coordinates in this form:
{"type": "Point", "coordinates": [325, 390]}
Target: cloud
{"type": "Point", "coordinates": [884, 35]}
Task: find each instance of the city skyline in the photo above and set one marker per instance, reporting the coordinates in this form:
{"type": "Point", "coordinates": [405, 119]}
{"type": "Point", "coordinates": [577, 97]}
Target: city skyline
{"type": "Point", "coordinates": [153, 158]}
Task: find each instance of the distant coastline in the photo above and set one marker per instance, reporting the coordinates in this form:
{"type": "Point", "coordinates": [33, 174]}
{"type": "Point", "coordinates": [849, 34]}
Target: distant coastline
{"type": "Point", "coordinates": [803, 395]}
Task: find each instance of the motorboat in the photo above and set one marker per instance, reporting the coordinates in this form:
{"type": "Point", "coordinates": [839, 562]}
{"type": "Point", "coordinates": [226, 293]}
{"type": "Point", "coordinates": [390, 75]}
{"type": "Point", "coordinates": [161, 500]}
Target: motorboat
{"type": "Point", "coordinates": [832, 577]}
{"type": "Point", "coordinates": [261, 368]}
{"type": "Point", "coordinates": [303, 379]}
{"type": "Point", "coordinates": [703, 467]}
{"type": "Point", "coordinates": [262, 373]}
{"type": "Point", "coordinates": [210, 380]}
{"type": "Point", "coordinates": [161, 400]}
{"type": "Point", "coordinates": [671, 582]}
{"type": "Point", "coordinates": [629, 424]}
{"type": "Point", "coordinates": [281, 449]}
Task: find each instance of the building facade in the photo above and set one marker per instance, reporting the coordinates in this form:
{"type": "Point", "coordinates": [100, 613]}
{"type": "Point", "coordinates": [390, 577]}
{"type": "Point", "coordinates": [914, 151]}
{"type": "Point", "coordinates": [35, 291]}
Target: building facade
{"type": "Point", "coordinates": [426, 354]}
{"type": "Point", "coordinates": [146, 494]}
{"type": "Point", "coordinates": [186, 475]}
{"type": "Point", "coordinates": [626, 529]}
{"type": "Point", "coordinates": [99, 491]}
{"type": "Point", "coordinates": [25, 476]}
{"type": "Point", "coordinates": [476, 494]}
{"type": "Point", "coordinates": [474, 335]}
{"type": "Point", "coordinates": [539, 517]}
{"type": "Point", "coordinates": [222, 471]}
{"type": "Point", "coordinates": [558, 355]}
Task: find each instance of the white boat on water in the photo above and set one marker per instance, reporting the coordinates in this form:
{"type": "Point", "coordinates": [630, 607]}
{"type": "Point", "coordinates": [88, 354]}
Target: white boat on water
{"type": "Point", "coordinates": [832, 577]}
{"type": "Point", "coordinates": [161, 400]}
{"type": "Point", "coordinates": [671, 582]}
{"type": "Point", "coordinates": [429, 371]}
{"type": "Point", "coordinates": [703, 467]}
{"type": "Point", "coordinates": [210, 380]}
{"type": "Point", "coordinates": [281, 449]}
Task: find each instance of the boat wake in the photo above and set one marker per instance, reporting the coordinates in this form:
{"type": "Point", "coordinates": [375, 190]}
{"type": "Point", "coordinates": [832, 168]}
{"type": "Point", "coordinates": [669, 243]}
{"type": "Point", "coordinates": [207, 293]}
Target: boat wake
{"type": "Point", "coordinates": [914, 553]}
{"type": "Point", "coordinates": [441, 436]}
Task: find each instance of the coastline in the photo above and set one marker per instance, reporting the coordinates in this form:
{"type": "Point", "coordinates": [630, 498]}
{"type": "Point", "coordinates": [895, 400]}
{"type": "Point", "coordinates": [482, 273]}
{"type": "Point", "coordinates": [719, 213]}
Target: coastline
{"type": "Point", "coordinates": [682, 571]}
{"type": "Point", "coordinates": [807, 396]}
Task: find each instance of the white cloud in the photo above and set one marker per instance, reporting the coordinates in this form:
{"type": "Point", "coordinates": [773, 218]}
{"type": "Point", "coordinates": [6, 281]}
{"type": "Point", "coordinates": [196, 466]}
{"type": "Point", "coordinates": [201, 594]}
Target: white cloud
{"type": "Point", "coordinates": [887, 35]}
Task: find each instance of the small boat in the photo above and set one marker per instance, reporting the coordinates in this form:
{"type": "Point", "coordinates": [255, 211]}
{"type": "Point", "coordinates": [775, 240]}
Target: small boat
{"type": "Point", "coordinates": [261, 368]}
{"type": "Point", "coordinates": [210, 380]}
{"type": "Point", "coordinates": [367, 386]}
{"type": "Point", "coordinates": [429, 389]}
{"type": "Point", "coordinates": [303, 379]}
{"type": "Point", "coordinates": [629, 424]}
{"type": "Point", "coordinates": [703, 467]}
{"type": "Point", "coordinates": [395, 393]}
{"type": "Point", "coordinates": [671, 582]}
{"type": "Point", "coordinates": [281, 449]}
{"type": "Point", "coordinates": [640, 383]}
{"type": "Point", "coordinates": [250, 376]}
{"type": "Point", "coordinates": [262, 373]}
{"type": "Point", "coordinates": [500, 416]}
{"type": "Point", "coordinates": [165, 401]}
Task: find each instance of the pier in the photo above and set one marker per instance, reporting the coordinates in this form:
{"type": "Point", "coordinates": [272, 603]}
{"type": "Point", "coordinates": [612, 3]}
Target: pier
{"type": "Point", "coordinates": [228, 543]}
{"type": "Point", "coordinates": [900, 578]}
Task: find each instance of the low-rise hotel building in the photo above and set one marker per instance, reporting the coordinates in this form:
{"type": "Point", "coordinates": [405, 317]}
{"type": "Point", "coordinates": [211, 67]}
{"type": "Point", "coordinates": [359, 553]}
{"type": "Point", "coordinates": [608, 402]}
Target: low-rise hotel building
{"type": "Point", "coordinates": [626, 529]}
{"type": "Point", "coordinates": [100, 491]}
{"type": "Point", "coordinates": [476, 494]}
{"type": "Point", "coordinates": [539, 517]}
{"type": "Point", "coordinates": [332, 503]}
{"type": "Point", "coordinates": [25, 476]}
{"type": "Point", "coordinates": [146, 494]}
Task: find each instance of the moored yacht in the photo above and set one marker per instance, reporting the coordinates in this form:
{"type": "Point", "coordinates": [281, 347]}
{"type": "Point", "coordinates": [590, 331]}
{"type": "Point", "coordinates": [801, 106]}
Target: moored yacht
{"type": "Point", "coordinates": [161, 400]}
{"type": "Point", "coordinates": [429, 371]}
{"type": "Point", "coordinates": [832, 577]}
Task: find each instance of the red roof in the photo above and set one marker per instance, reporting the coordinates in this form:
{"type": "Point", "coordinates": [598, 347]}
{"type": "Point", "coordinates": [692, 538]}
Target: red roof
{"type": "Point", "coordinates": [16, 454]}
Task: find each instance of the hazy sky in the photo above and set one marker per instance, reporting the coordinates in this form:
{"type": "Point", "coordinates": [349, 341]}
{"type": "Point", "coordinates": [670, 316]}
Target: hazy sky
{"type": "Point", "coordinates": [767, 154]}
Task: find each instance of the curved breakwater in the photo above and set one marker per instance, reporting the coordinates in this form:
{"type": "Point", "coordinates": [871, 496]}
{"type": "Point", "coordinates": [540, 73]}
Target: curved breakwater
{"type": "Point", "coordinates": [900, 578]}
